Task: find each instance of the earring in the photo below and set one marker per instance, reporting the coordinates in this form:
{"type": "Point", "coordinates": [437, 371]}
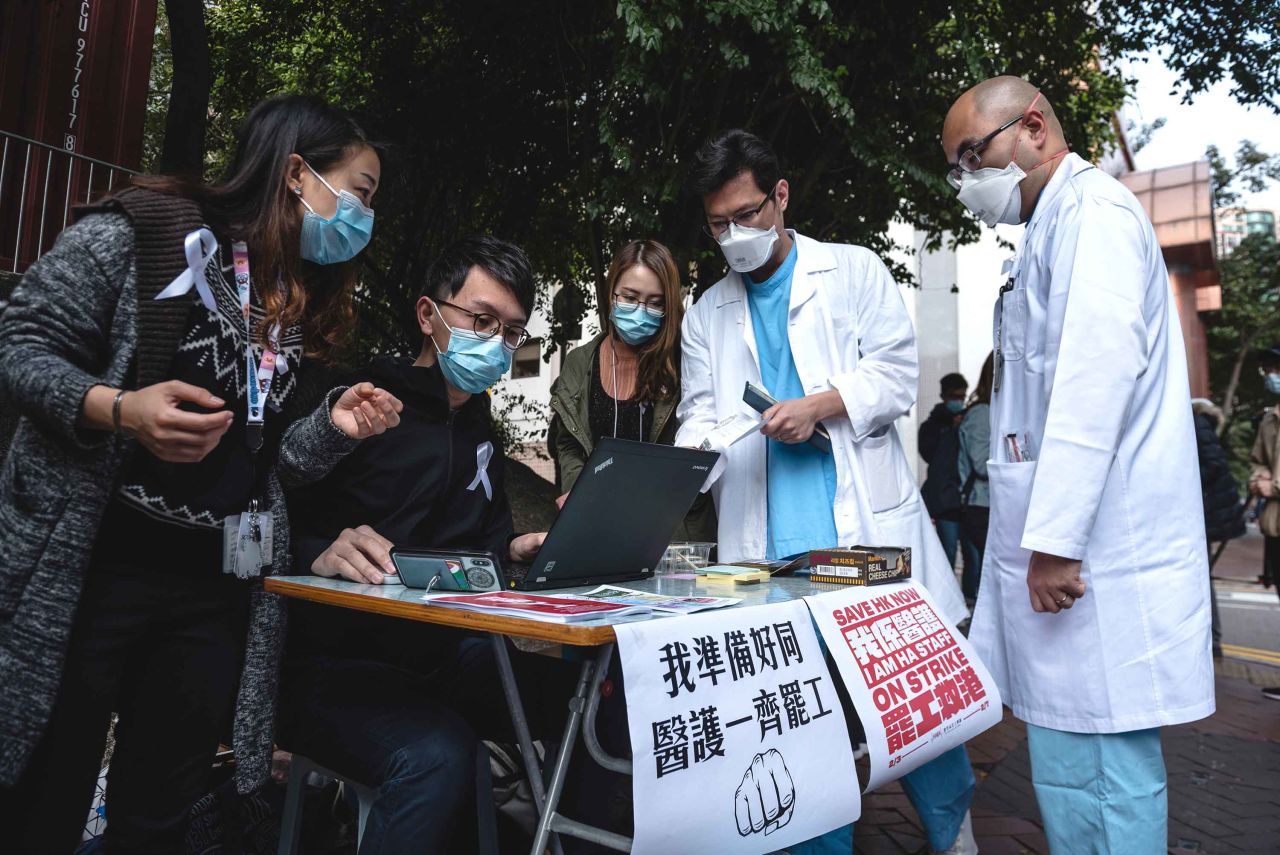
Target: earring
{"type": "Point", "coordinates": [297, 190]}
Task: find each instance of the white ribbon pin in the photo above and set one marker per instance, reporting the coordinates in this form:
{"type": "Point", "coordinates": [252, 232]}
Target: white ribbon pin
{"type": "Point", "coordinates": [484, 453]}
{"type": "Point", "coordinates": [200, 247]}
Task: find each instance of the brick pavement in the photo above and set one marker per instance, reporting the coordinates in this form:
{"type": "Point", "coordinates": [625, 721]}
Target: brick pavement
{"type": "Point", "coordinates": [1224, 782]}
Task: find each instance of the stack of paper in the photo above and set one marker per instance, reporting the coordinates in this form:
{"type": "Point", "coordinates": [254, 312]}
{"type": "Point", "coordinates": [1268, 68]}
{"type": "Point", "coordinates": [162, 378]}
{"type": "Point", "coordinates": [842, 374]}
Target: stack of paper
{"type": "Point", "coordinates": [557, 609]}
{"type": "Point", "coordinates": [656, 602]}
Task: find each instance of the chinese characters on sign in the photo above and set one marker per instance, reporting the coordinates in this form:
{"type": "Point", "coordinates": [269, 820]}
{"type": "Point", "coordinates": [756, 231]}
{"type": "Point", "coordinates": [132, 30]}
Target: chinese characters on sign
{"type": "Point", "coordinates": [915, 681]}
{"type": "Point", "coordinates": [738, 738]}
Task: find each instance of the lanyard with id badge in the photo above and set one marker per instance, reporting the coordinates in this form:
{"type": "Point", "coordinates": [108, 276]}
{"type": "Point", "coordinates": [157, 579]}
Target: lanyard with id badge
{"type": "Point", "coordinates": [247, 537]}
{"type": "Point", "coordinates": [1007, 270]}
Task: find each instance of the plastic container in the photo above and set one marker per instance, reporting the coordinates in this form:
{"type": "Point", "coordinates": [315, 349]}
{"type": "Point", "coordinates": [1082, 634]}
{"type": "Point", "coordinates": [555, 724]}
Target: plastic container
{"type": "Point", "coordinates": [684, 557]}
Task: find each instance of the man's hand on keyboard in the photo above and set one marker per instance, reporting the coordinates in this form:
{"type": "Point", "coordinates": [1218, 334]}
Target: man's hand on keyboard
{"type": "Point", "coordinates": [525, 547]}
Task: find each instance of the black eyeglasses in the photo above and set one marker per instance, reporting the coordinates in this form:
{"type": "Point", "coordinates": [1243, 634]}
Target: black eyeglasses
{"type": "Point", "coordinates": [487, 326]}
{"type": "Point", "coordinates": [714, 228]}
{"type": "Point", "coordinates": [971, 157]}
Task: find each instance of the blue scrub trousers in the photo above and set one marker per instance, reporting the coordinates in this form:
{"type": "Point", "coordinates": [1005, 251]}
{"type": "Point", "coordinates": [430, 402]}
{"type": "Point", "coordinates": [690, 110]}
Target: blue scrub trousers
{"type": "Point", "coordinates": [940, 791]}
{"type": "Point", "coordinates": [1100, 793]}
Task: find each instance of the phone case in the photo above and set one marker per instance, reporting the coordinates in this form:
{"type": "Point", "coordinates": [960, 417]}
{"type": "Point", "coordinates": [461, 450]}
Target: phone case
{"type": "Point", "coordinates": [760, 400]}
{"type": "Point", "coordinates": [454, 571]}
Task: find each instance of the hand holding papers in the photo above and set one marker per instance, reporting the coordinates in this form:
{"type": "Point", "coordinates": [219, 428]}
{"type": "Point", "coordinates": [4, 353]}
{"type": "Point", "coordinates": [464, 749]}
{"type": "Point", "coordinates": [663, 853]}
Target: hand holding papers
{"type": "Point", "coordinates": [731, 431]}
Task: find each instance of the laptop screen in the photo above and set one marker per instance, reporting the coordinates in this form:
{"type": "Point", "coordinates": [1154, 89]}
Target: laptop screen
{"type": "Point", "coordinates": [622, 512]}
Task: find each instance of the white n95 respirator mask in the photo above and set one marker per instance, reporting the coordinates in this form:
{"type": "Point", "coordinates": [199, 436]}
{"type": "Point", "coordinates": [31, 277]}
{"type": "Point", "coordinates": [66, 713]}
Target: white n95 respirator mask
{"type": "Point", "coordinates": [745, 248]}
{"type": "Point", "coordinates": [992, 194]}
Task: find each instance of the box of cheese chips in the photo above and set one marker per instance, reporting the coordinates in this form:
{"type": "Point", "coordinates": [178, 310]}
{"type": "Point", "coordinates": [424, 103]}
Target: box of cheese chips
{"type": "Point", "coordinates": [860, 565]}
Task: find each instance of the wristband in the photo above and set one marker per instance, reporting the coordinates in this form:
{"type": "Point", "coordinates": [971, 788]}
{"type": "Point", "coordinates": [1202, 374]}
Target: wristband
{"type": "Point", "coordinates": [115, 411]}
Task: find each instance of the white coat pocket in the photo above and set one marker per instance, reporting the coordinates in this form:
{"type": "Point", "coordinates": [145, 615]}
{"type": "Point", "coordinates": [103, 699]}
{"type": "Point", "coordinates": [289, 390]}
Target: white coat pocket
{"type": "Point", "coordinates": [1010, 496]}
{"type": "Point", "coordinates": [1012, 335]}
{"type": "Point", "coordinates": [886, 487]}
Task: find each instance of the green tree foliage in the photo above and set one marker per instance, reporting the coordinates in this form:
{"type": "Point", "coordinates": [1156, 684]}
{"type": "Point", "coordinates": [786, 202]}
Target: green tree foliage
{"type": "Point", "coordinates": [568, 125]}
{"type": "Point", "coordinates": [1253, 170]}
{"type": "Point", "coordinates": [1248, 321]}
{"type": "Point", "coordinates": [1204, 42]}
{"type": "Point", "coordinates": [1140, 135]}
{"type": "Point", "coordinates": [158, 90]}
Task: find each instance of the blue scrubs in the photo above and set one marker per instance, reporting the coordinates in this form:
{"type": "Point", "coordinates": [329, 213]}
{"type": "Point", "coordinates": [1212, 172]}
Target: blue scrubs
{"type": "Point", "coordinates": [802, 479]}
{"type": "Point", "coordinates": [801, 517]}
{"type": "Point", "coordinates": [1100, 792]}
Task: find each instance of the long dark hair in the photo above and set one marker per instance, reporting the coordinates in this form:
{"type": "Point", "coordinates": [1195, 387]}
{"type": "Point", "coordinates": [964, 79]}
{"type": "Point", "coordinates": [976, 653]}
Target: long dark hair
{"type": "Point", "coordinates": [982, 391]}
{"type": "Point", "coordinates": [658, 369]}
{"type": "Point", "coordinates": [252, 203]}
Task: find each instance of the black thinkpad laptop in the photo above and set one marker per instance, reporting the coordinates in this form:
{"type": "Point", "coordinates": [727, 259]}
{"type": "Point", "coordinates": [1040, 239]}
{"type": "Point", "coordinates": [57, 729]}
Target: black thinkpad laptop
{"type": "Point", "coordinates": [619, 518]}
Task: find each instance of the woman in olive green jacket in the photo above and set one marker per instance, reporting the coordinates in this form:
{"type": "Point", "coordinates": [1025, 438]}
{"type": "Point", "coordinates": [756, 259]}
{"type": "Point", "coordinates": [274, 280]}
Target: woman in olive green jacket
{"type": "Point", "coordinates": [625, 382]}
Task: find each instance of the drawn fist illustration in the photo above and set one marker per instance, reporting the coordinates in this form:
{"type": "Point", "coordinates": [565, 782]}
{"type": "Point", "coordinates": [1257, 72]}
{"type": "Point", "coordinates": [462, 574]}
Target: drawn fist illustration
{"type": "Point", "coordinates": [766, 796]}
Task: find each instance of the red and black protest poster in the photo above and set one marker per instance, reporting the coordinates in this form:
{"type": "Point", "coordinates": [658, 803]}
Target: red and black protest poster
{"type": "Point", "coordinates": [915, 681]}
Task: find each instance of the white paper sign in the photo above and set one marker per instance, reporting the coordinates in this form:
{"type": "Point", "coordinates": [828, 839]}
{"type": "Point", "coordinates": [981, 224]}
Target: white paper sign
{"type": "Point", "coordinates": [738, 741]}
{"type": "Point", "coordinates": [915, 681]}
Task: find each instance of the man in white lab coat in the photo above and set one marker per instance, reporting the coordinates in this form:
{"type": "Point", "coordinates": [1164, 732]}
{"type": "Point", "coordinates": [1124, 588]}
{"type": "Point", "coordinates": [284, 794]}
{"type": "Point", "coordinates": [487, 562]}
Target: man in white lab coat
{"type": "Point", "coordinates": [1094, 611]}
{"type": "Point", "coordinates": [823, 329]}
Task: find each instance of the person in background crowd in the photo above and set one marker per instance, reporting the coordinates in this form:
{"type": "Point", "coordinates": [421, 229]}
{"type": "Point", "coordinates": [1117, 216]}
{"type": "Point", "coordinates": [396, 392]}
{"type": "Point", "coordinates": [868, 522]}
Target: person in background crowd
{"type": "Point", "coordinates": [823, 329]}
{"type": "Point", "coordinates": [1223, 510]}
{"type": "Point", "coordinates": [1266, 475]}
{"type": "Point", "coordinates": [939, 445]}
{"type": "Point", "coordinates": [625, 382]}
{"type": "Point", "coordinates": [1093, 476]}
{"type": "Point", "coordinates": [975, 494]}
{"type": "Point", "coordinates": [137, 442]}
{"type": "Point", "coordinates": [397, 705]}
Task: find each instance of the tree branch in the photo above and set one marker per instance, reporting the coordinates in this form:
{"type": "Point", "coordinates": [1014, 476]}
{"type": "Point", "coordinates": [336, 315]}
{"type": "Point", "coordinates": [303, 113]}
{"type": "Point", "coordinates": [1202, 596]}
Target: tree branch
{"type": "Point", "coordinates": [184, 129]}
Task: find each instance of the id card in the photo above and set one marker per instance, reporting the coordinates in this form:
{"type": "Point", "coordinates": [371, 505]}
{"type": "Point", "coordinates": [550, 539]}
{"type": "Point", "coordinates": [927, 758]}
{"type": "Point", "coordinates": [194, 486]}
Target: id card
{"type": "Point", "coordinates": [246, 543]}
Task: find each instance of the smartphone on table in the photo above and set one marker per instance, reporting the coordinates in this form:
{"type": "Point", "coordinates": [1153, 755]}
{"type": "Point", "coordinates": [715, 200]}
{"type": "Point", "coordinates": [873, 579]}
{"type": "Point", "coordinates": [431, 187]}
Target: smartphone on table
{"type": "Point", "coordinates": [452, 570]}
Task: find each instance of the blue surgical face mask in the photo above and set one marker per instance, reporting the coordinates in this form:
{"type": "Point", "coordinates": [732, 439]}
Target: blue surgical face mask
{"type": "Point", "coordinates": [1273, 383]}
{"type": "Point", "coordinates": [636, 324]}
{"type": "Point", "coordinates": [956, 407]}
{"type": "Point", "coordinates": [471, 363]}
{"type": "Point", "coordinates": [342, 236]}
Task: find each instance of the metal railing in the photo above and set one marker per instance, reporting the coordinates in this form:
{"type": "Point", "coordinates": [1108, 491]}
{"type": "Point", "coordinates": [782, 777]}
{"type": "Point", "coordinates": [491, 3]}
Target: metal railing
{"type": "Point", "coordinates": [29, 222]}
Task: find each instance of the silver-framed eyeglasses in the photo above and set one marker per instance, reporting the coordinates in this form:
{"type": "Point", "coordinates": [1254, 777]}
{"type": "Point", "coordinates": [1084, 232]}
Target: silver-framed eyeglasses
{"type": "Point", "coordinates": [655, 306]}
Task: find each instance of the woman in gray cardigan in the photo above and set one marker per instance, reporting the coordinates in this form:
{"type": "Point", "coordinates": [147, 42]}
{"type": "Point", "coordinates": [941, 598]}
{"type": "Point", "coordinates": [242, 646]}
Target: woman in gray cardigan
{"type": "Point", "coordinates": [159, 357]}
{"type": "Point", "coordinates": [975, 441]}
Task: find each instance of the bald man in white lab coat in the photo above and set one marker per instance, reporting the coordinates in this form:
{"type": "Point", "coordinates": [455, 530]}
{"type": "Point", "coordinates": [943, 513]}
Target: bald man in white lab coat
{"type": "Point", "coordinates": [1093, 614]}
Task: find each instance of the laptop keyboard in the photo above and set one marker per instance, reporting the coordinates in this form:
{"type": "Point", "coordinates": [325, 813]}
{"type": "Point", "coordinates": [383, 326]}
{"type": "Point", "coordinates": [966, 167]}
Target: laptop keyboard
{"type": "Point", "coordinates": [515, 572]}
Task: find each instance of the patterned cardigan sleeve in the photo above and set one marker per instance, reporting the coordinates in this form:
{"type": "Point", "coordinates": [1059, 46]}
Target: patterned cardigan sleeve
{"type": "Point", "coordinates": [55, 330]}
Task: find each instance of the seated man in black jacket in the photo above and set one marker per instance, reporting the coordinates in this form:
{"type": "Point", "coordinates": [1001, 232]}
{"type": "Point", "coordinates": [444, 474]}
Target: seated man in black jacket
{"type": "Point", "coordinates": [398, 705]}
